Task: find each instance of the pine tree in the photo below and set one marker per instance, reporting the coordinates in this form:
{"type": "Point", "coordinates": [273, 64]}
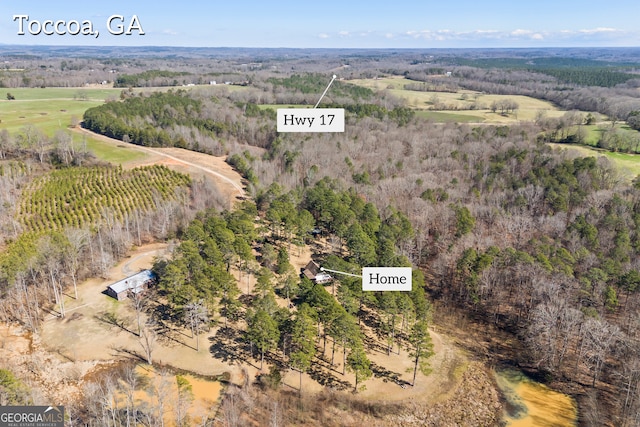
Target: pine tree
{"type": "Point", "coordinates": [303, 333]}
{"type": "Point", "coordinates": [262, 330]}
{"type": "Point", "coordinates": [359, 363]}
{"type": "Point", "coordinates": [421, 348]}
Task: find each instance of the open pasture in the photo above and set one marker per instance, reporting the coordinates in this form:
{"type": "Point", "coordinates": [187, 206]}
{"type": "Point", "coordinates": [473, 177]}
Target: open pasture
{"type": "Point", "coordinates": [47, 115]}
{"type": "Point", "coordinates": [449, 117]}
{"type": "Point", "coordinates": [70, 93]}
{"type": "Point", "coordinates": [49, 109]}
{"type": "Point", "coordinates": [53, 109]}
{"type": "Point", "coordinates": [463, 102]}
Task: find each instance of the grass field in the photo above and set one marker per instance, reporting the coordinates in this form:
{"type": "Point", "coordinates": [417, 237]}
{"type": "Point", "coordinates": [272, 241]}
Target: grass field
{"type": "Point", "coordinates": [49, 115]}
{"type": "Point", "coordinates": [53, 109]}
{"type": "Point", "coordinates": [118, 155]}
{"type": "Point", "coordinates": [90, 93]}
{"type": "Point", "coordinates": [594, 132]}
{"type": "Point", "coordinates": [49, 109]}
{"type": "Point", "coordinates": [467, 103]}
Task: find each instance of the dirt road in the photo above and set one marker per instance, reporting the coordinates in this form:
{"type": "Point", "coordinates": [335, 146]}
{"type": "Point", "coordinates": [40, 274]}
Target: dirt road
{"type": "Point", "coordinates": [190, 162]}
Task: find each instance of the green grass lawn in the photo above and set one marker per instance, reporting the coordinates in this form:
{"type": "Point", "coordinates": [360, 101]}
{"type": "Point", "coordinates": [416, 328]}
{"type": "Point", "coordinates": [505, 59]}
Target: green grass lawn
{"type": "Point", "coordinates": [69, 93]}
{"type": "Point", "coordinates": [627, 162]}
{"type": "Point", "coordinates": [594, 132]}
{"type": "Point", "coordinates": [49, 109]}
{"type": "Point", "coordinates": [53, 109]}
{"type": "Point", "coordinates": [49, 115]}
{"type": "Point", "coordinates": [119, 154]}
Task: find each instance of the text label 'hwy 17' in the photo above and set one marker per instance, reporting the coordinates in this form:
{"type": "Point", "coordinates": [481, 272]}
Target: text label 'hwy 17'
{"type": "Point", "coordinates": [310, 120]}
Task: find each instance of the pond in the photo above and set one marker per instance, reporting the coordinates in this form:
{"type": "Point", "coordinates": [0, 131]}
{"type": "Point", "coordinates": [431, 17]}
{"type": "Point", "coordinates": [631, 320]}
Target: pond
{"type": "Point", "coordinates": [531, 404]}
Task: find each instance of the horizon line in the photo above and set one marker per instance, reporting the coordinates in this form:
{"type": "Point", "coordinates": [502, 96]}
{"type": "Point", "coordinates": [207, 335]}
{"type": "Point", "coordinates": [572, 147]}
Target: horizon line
{"type": "Point", "coordinates": [311, 48]}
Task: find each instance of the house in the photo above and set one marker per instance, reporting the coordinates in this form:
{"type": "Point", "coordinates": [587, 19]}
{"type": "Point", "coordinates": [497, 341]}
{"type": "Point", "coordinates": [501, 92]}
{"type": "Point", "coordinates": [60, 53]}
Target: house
{"type": "Point", "coordinates": [312, 272]}
{"type": "Point", "coordinates": [137, 283]}
{"type": "Point", "coordinates": [315, 232]}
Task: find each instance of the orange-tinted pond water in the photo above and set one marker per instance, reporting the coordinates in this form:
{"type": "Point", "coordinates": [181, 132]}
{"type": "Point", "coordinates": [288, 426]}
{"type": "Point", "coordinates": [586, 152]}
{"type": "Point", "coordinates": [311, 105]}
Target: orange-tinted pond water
{"type": "Point", "coordinates": [531, 404]}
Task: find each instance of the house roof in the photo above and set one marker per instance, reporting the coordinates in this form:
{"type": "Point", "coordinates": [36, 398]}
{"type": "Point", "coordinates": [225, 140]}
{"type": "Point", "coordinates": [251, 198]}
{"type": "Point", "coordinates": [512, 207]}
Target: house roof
{"type": "Point", "coordinates": [134, 283]}
{"type": "Point", "coordinates": [312, 268]}
{"type": "Point", "coordinates": [309, 275]}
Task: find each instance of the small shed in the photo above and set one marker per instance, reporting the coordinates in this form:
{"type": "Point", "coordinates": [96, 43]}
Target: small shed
{"type": "Point", "coordinates": [137, 283]}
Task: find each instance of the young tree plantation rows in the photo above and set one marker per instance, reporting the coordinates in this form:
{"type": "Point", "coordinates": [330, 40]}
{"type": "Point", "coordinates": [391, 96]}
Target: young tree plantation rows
{"type": "Point", "coordinates": [79, 197]}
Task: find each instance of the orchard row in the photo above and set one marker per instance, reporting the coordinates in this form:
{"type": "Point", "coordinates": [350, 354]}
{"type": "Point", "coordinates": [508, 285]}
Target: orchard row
{"type": "Point", "coordinates": [80, 196]}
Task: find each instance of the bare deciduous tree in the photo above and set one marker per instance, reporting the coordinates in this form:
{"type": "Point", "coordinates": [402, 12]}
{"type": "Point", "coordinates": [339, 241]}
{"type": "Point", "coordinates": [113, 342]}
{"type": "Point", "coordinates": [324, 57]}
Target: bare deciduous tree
{"type": "Point", "coordinates": [196, 316]}
{"type": "Point", "coordinates": [148, 340]}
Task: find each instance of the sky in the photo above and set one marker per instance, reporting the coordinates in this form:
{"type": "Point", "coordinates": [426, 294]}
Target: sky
{"type": "Point", "coordinates": [324, 23]}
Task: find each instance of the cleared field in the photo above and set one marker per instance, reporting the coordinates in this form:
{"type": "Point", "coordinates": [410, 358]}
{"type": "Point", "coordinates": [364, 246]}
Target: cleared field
{"type": "Point", "coordinates": [464, 102]}
{"type": "Point", "coordinates": [49, 109]}
{"type": "Point", "coordinates": [53, 109]}
{"type": "Point", "coordinates": [596, 132]}
{"type": "Point", "coordinates": [89, 93]}
{"type": "Point", "coordinates": [49, 115]}
{"type": "Point", "coordinates": [120, 155]}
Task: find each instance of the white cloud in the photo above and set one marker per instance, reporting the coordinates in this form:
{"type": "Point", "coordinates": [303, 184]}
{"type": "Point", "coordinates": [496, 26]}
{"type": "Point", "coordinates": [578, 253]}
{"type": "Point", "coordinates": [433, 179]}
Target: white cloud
{"type": "Point", "coordinates": [491, 37]}
{"type": "Point", "coordinates": [170, 32]}
{"type": "Point", "coordinates": [599, 30]}
{"type": "Point", "coordinates": [521, 32]}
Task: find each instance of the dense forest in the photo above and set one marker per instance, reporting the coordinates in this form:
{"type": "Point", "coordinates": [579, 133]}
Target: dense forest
{"type": "Point", "coordinates": [575, 71]}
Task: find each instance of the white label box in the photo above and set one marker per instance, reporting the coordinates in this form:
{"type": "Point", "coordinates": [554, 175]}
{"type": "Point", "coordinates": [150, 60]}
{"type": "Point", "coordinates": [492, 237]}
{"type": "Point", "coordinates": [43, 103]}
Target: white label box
{"type": "Point", "coordinates": [310, 119]}
{"type": "Point", "coordinates": [386, 278]}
